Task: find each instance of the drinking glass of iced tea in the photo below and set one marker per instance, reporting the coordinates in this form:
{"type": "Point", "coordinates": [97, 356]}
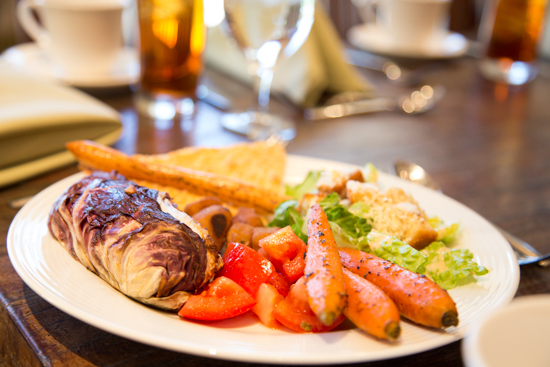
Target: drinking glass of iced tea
{"type": "Point", "coordinates": [511, 35]}
{"type": "Point", "coordinates": [172, 38]}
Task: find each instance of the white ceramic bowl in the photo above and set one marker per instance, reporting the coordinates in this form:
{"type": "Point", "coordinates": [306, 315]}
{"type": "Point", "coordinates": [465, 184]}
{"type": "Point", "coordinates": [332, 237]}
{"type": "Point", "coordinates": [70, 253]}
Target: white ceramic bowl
{"type": "Point", "coordinates": [515, 335]}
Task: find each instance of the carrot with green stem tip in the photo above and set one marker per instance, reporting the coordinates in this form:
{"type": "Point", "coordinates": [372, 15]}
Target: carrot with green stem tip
{"type": "Point", "coordinates": [370, 309]}
{"type": "Point", "coordinates": [326, 291]}
{"type": "Point", "coordinates": [417, 298]}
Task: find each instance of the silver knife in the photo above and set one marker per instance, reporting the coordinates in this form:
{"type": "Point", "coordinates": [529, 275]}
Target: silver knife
{"type": "Point", "coordinates": [350, 108]}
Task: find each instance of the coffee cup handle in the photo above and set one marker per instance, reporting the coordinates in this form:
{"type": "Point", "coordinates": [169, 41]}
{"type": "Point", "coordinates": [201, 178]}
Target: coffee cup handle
{"type": "Point", "coordinates": [367, 9]}
{"type": "Point", "coordinates": [28, 21]}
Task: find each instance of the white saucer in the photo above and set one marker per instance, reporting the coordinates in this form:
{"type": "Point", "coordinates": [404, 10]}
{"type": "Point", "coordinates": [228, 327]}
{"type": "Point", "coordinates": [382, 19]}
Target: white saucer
{"type": "Point", "coordinates": [31, 58]}
{"type": "Point", "coordinates": [515, 335]}
{"type": "Point", "coordinates": [370, 38]}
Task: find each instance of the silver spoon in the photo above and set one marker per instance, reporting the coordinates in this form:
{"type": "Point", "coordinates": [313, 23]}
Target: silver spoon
{"type": "Point", "coordinates": [527, 254]}
{"type": "Point", "coordinates": [355, 103]}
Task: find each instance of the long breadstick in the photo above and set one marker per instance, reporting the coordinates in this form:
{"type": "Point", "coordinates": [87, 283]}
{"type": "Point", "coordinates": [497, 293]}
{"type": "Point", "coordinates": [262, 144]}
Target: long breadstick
{"type": "Point", "coordinates": [231, 190]}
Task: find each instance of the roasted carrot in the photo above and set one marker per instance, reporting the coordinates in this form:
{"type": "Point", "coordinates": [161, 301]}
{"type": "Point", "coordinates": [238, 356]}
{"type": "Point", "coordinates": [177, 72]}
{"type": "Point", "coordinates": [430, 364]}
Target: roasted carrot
{"type": "Point", "coordinates": [96, 156]}
{"type": "Point", "coordinates": [370, 309]}
{"type": "Point", "coordinates": [417, 298]}
{"type": "Point", "coordinates": [325, 286]}
{"type": "Point", "coordinates": [295, 313]}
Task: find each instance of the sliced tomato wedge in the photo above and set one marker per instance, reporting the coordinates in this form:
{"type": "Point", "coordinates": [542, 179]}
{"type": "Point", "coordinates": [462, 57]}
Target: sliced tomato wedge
{"type": "Point", "coordinates": [267, 299]}
{"type": "Point", "coordinates": [282, 245]}
{"type": "Point", "coordinates": [286, 251]}
{"type": "Point", "coordinates": [294, 269]}
{"type": "Point", "coordinates": [222, 299]}
{"type": "Point", "coordinates": [246, 267]}
{"type": "Point", "coordinates": [294, 311]}
{"type": "Point", "coordinates": [279, 282]}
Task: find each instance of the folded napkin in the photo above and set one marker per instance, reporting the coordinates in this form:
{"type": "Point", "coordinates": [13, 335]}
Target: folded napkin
{"type": "Point", "coordinates": [37, 118]}
{"type": "Point", "coordinates": [319, 66]}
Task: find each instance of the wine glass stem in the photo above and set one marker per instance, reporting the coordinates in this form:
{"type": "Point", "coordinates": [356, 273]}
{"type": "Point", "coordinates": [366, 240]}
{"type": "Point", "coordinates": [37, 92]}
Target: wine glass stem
{"type": "Point", "coordinates": [264, 79]}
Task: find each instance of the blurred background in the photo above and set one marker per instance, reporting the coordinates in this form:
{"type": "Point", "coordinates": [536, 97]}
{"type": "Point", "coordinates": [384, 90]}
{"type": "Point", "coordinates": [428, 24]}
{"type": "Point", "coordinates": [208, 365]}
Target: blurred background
{"type": "Point", "coordinates": [465, 16]}
{"type": "Point", "coordinates": [465, 19]}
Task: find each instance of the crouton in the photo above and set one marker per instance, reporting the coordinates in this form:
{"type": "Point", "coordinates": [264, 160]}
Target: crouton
{"type": "Point", "coordinates": [394, 213]}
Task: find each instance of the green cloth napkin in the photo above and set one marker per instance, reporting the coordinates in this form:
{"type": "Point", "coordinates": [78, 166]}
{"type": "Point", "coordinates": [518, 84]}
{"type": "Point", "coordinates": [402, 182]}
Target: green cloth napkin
{"type": "Point", "coordinates": [318, 67]}
{"type": "Point", "coordinates": [38, 117]}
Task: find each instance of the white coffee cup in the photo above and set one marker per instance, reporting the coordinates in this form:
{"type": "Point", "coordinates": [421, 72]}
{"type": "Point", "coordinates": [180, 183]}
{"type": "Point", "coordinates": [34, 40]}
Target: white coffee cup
{"type": "Point", "coordinates": [82, 36]}
{"type": "Point", "coordinates": [409, 24]}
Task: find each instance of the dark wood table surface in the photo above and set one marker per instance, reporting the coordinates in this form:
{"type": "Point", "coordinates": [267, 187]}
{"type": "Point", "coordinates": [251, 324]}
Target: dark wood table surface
{"type": "Point", "coordinates": [488, 145]}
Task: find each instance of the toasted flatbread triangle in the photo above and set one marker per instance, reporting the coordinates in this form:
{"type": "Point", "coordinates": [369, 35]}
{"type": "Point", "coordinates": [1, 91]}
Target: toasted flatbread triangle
{"type": "Point", "coordinates": [259, 163]}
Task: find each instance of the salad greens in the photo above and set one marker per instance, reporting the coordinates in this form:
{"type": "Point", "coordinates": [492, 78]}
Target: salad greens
{"type": "Point", "coordinates": [370, 173]}
{"type": "Point", "coordinates": [307, 186]}
{"type": "Point", "coordinates": [446, 232]}
{"type": "Point", "coordinates": [397, 251]}
{"type": "Point", "coordinates": [286, 214]}
{"type": "Point", "coordinates": [351, 228]}
{"type": "Point", "coordinates": [351, 225]}
{"type": "Point", "coordinates": [448, 267]}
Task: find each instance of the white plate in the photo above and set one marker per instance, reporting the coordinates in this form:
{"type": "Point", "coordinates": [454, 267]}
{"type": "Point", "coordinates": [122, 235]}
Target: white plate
{"type": "Point", "coordinates": [49, 270]}
{"type": "Point", "coordinates": [513, 336]}
{"type": "Point", "coordinates": [369, 37]}
{"type": "Point", "coordinates": [33, 59]}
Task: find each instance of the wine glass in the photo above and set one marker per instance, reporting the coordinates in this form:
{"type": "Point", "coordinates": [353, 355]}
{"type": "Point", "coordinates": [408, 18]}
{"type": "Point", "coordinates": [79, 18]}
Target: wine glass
{"type": "Point", "coordinates": [268, 32]}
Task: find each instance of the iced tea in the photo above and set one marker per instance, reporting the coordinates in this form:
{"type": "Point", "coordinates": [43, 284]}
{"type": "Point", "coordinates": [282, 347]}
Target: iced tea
{"type": "Point", "coordinates": [516, 29]}
{"type": "Point", "coordinates": [172, 37]}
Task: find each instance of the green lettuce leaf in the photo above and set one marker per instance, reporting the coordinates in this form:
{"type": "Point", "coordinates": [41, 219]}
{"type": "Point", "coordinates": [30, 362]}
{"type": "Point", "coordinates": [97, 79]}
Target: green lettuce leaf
{"type": "Point", "coordinates": [359, 209]}
{"type": "Point", "coordinates": [349, 230]}
{"type": "Point", "coordinates": [446, 232]}
{"type": "Point", "coordinates": [287, 215]}
{"type": "Point", "coordinates": [351, 225]}
{"type": "Point", "coordinates": [448, 267]}
{"type": "Point", "coordinates": [344, 239]}
{"type": "Point", "coordinates": [370, 173]}
{"type": "Point", "coordinates": [398, 252]}
{"type": "Point", "coordinates": [307, 186]}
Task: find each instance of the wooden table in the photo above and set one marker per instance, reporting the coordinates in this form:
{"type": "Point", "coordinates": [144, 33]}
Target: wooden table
{"type": "Point", "coordinates": [488, 145]}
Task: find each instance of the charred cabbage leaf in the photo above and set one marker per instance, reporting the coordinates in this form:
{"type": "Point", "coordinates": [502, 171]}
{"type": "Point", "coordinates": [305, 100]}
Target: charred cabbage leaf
{"type": "Point", "coordinates": [135, 239]}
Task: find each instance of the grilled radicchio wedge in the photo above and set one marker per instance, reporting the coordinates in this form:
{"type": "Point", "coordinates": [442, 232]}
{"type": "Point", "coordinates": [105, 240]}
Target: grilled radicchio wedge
{"type": "Point", "coordinates": [135, 239]}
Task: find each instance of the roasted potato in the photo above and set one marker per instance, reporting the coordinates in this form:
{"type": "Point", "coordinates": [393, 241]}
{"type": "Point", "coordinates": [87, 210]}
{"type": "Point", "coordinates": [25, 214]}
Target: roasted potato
{"type": "Point", "coordinates": [217, 220]}
{"type": "Point", "coordinates": [240, 233]}
{"type": "Point", "coordinates": [248, 216]}
{"type": "Point", "coordinates": [196, 206]}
